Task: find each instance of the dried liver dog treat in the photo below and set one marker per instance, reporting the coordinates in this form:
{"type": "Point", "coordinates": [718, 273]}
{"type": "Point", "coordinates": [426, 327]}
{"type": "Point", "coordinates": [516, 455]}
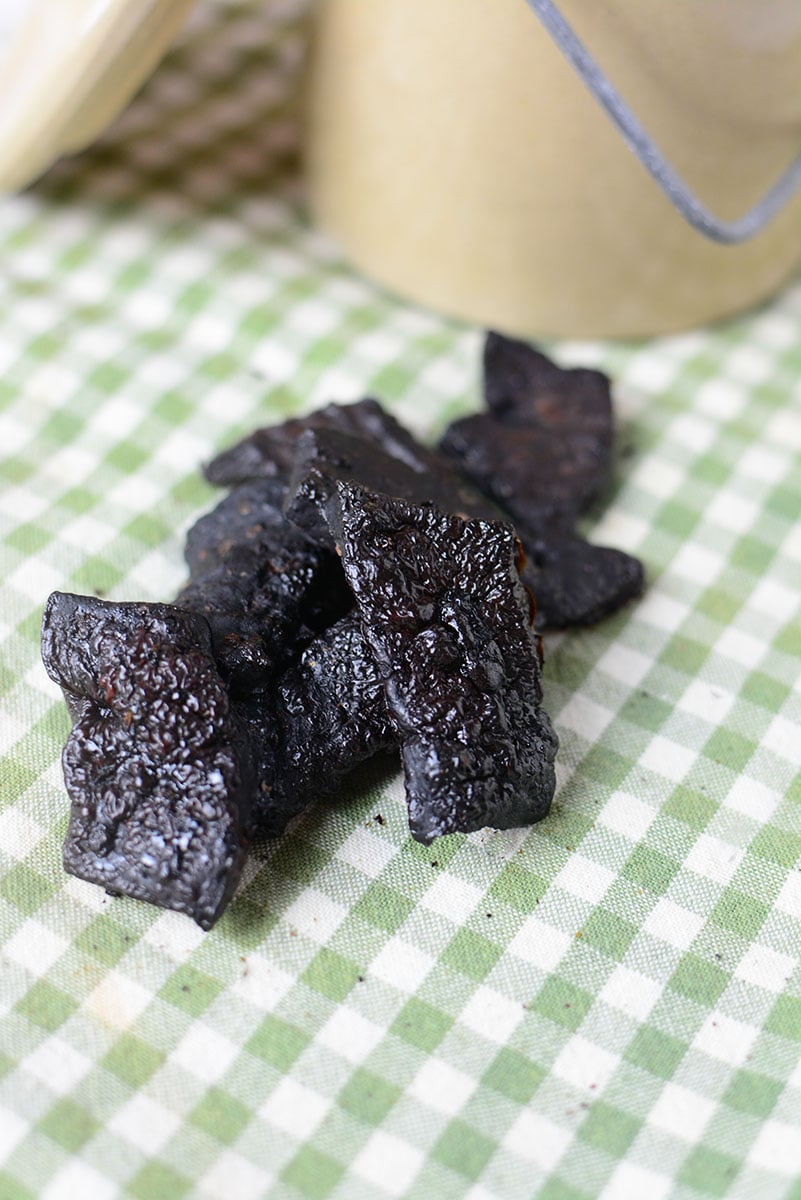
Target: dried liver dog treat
{"type": "Point", "coordinates": [160, 776]}
{"type": "Point", "coordinates": [198, 724]}
{"type": "Point", "coordinates": [448, 622]}
{"type": "Point", "coordinates": [265, 588]}
{"type": "Point", "coordinates": [543, 451]}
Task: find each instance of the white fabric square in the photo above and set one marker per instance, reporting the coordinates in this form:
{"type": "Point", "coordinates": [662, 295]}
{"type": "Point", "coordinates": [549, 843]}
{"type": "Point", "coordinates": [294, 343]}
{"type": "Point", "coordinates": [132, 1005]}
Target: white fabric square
{"type": "Point", "coordinates": [777, 601]}
{"type": "Point", "coordinates": [720, 398]}
{"type": "Point", "coordinates": [18, 833]}
{"type": "Point", "coordinates": [585, 1065]}
{"type": "Point", "coordinates": [584, 716]}
{"type": "Point", "coordinates": [659, 478]}
{"type": "Point", "coordinates": [294, 1108]}
{"type": "Point", "coordinates": [681, 1112]}
{"type": "Point", "coordinates": [661, 611]}
{"type": "Point", "coordinates": [491, 1015]}
{"type": "Point", "coordinates": [349, 1035]}
{"type": "Point", "coordinates": [783, 737]}
{"type": "Point", "coordinates": [741, 647]}
{"type": "Point", "coordinates": [667, 758]}
{"type": "Point", "coordinates": [144, 1123]}
{"type": "Point", "coordinates": [77, 1178]}
{"type": "Point", "coordinates": [262, 983]}
{"type": "Point", "coordinates": [452, 897]}
{"type": "Point", "coordinates": [315, 915]}
{"type": "Point", "coordinates": [752, 799]}
{"type": "Point", "coordinates": [724, 1038]}
{"type": "Point", "coordinates": [35, 947]}
{"type": "Point", "coordinates": [631, 992]}
{"type": "Point", "coordinates": [692, 431]}
{"type": "Point", "coordinates": [231, 1176]}
{"type": "Point", "coordinates": [366, 852]}
{"type": "Point", "coordinates": [402, 965]}
{"type": "Point", "coordinates": [707, 701]}
{"type": "Point", "coordinates": [584, 878]}
{"type": "Point", "coordinates": [766, 968]}
{"type": "Point", "coordinates": [442, 1087]}
{"type": "Point", "coordinates": [789, 898]}
{"type": "Point", "coordinates": [698, 564]}
{"type": "Point", "coordinates": [777, 1147]}
{"type": "Point", "coordinates": [541, 944]}
{"type": "Point", "coordinates": [12, 1130]}
{"type": "Point", "coordinates": [204, 1053]}
{"type": "Point", "coordinates": [714, 859]}
{"type": "Point", "coordinates": [732, 512]}
{"type": "Point", "coordinates": [388, 1163]}
{"type": "Point", "coordinates": [671, 923]}
{"type": "Point", "coordinates": [627, 815]}
{"type": "Point", "coordinates": [117, 1001]}
{"type": "Point", "coordinates": [624, 664]}
{"type": "Point", "coordinates": [536, 1139]}
{"type": "Point", "coordinates": [57, 1065]}
{"type": "Point", "coordinates": [784, 428]}
{"type": "Point", "coordinates": [632, 1182]}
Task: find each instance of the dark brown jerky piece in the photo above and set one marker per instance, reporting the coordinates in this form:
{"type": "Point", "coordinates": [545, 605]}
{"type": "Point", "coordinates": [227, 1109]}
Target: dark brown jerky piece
{"type": "Point", "coordinates": [447, 620]}
{"type": "Point", "coordinates": [543, 451]}
{"type": "Point", "coordinates": [327, 715]}
{"type": "Point", "coordinates": [269, 453]}
{"type": "Point", "coordinates": [326, 457]}
{"type": "Point", "coordinates": [157, 768]}
{"type": "Point", "coordinates": [265, 588]}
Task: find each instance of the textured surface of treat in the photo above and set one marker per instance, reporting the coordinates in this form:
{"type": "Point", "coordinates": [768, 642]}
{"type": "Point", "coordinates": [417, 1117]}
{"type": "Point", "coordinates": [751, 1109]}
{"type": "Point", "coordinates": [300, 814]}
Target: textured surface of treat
{"type": "Point", "coordinates": [265, 588]}
{"type": "Point", "coordinates": [543, 451]}
{"type": "Point", "coordinates": [448, 622]}
{"type": "Point", "coordinates": [269, 452]}
{"type": "Point", "coordinates": [157, 768]}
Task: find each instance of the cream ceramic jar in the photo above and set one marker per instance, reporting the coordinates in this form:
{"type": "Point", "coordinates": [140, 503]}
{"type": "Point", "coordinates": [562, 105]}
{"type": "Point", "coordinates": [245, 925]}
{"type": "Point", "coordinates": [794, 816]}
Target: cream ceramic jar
{"type": "Point", "coordinates": [458, 159]}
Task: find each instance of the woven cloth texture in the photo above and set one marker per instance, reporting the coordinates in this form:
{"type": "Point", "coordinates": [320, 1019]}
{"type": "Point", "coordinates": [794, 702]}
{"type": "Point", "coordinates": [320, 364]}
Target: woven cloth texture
{"type": "Point", "coordinates": [608, 1004]}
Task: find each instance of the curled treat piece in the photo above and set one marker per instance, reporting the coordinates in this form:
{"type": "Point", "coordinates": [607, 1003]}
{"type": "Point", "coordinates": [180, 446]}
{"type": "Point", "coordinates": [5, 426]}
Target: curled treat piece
{"type": "Point", "coordinates": [269, 452]}
{"type": "Point", "coordinates": [327, 715]}
{"type": "Point", "coordinates": [448, 622]}
{"type": "Point", "coordinates": [159, 771]}
{"type": "Point", "coordinates": [543, 451]}
{"type": "Point", "coordinates": [326, 457]}
{"type": "Point", "coordinates": [264, 587]}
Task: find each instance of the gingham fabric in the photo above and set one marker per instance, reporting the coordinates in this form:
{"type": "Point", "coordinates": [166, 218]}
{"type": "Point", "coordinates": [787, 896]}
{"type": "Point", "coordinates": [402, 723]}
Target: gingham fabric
{"type": "Point", "coordinates": [607, 1005]}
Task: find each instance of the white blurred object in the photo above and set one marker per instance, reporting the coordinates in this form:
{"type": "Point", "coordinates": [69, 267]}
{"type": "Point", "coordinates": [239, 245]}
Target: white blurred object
{"type": "Point", "coordinates": [69, 67]}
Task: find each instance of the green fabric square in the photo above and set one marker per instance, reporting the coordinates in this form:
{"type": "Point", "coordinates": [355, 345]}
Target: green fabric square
{"type": "Point", "coordinates": [609, 1129]}
{"type": "Point", "coordinates": [740, 913]}
{"type": "Point", "coordinates": [692, 807]}
{"type": "Point", "coordinates": [331, 974]}
{"type": "Point", "coordinates": [730, 749]}
{"type": "Point", "coordinates": [383, 907]}
{"type": "Point", "coordinates": [12, 1189]}
{"type": "Point", "coordinates": [609, 933]}
{"type": "Point", "coordinates": [105, 940]}
{"type": "Point", "coordinates": [421, 1024]}
{"type": "Point", "coordinates": [191, 990]}
{"type": "Point", "coordinates": [777, 846]}
{"type": "Point", "coordinates": [132, 1060]}
{"type": "Point", "coordinates": [277, 1042]}
{"type": "Point", "coordinates": [463, 1149]}
{"type": "Point", "coordinates": [769, 693]}
{"type": "Point", "coordinates": [699, 980]}
{"type": "Point", "coordinates": [556, 1189]}
{"type": "Point", "coordinates": [751, 554]}
{"type": "Point", "coordinates": [784, 1018]}
{"type": "Point", "coordinates": [25, 888]}
{"type": "Point", "coordinates": [221, 1115]}
{"type": "Point", "coordinates": [605, 765]}
{"type": "Point", "coordinates": [751, 1092]}
{"type": "Point", "coordinates": [518, 888]}
{"type": "Point", "coordinates": [562, 1002]}
{"type": "Point", "coordinates": [685, 655]}
{"type": "Point", "coordinates": [650, 869]}
{"type": "Point", "coordinates": [46, 1005]}
{"type": "Point", "coordinates": [513, 1075]}
{"type": "Point", "coordinates": [721, 606]}
{"type": "Point", "coordinates": [314, 1174]}
{"type": "Point", "coordinates": [69, 1125]}
{"type": "Point", "coordinates": [708, 1171]}
{"type": "Point", "coordinates": [655, 1051]}
{"type": "Point", "coordinates": [472, 954]}
{"type": "Point", "coordinates": [677, 518]}
{"type": "Point", "coordinates": [27, 538]}
{"type": "Point", "coordinates": [367, 1096]}
{"type": "Point", "coordinates": [157, 1181]}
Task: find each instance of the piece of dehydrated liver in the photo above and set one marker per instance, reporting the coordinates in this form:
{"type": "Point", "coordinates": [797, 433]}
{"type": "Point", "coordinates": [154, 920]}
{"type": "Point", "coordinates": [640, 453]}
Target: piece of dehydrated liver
{"type": "Point", "coordinates": [327, 715]}
{"type": "Point", "coordinates": [543, 451]}
{"type": "Point", "coordinates": [265, 588]}
{"type": "Point", "coordinates": [448, 621]}
{"type": "Point", "coordinates": [326, 457]}
{"type": "Point", "coordinates": [269, 452]}
{"type": "Point", "coordinates": [157, 767]}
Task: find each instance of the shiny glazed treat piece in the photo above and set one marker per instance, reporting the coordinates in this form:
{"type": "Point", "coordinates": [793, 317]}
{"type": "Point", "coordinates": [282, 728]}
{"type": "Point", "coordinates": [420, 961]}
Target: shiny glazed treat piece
{"type": "Point", "coordinates": [448, 622]}
{"type": "Point", "coordinates": [543, 451]}
{"type": "Point", "coordinates": [157, 767]}
{"type": "Point", "coordinates": [269, 452]}
{"type": "Point", "coordinates": [327, 715]}
{"type": "Point", "coordinates": [264, 587]}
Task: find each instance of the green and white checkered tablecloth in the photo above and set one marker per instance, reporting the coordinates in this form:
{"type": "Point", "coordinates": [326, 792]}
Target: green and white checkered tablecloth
{"type": "Point", "coordinates": [607, 1005]}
